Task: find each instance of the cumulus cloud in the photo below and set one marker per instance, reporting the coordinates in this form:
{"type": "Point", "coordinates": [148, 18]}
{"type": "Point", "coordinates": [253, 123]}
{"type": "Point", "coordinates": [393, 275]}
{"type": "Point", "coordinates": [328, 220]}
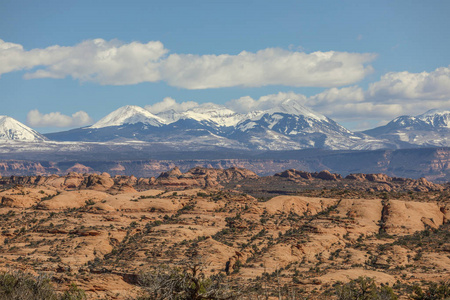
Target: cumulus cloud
{"type": "Point", "coordinates": [329, 96]}
{"type": "Point", "coordinates": [400, 93]}
{"type": "Point", "coordinates": [271, 66]}
{"type": "Point", "coordinates": [93, 60]}
{"type": "Point", "coordinates": [169, 103]}
{"type": "Point", "coordinates": [405, 85]}
{"type": "Point", "coordinates": [395, 94]}
{"type": "Point", "coordinates": [247, 103]}
{"type": "Point", "coordinates": [100, 61]}
{"type": "Point", "coordinates": [56, 119]}
{"type": "Point", "coordinates": [116, 63]}
{"type": "Point", "coordinates": [341, 111]}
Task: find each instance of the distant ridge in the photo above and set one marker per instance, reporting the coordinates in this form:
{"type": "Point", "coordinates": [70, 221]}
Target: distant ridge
{"type": "Point", "coordinates": [287, 126]}
{"type": "Point", "coordinates": [431, 128]}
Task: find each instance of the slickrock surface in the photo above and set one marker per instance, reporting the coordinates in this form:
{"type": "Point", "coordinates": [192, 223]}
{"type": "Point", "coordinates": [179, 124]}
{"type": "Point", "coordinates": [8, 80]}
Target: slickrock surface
{"type": "Point", "coordinates": [305, 230]}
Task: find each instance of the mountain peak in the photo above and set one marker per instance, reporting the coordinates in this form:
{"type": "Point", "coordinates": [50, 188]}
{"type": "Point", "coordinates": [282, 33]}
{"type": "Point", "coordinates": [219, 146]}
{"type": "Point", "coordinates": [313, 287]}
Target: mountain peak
{"type": "Point", "coordinates": [428, 129]}
{"type": "Point", "coordinates": [129, 114]}
{"type": "Point", "coordinates": [437, 118]}
{"type": "Point", "coordinates": [434, 112]}
{"type": "Point", "coordinates": [207, 112]}
{"type": "Point", "coordinates": [293, 107]}
{"type": "Point", "coordinates": [11, 129]}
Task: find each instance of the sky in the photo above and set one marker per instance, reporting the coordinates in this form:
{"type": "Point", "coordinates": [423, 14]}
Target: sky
{"type": "Point", "coordinates": [66, 64]}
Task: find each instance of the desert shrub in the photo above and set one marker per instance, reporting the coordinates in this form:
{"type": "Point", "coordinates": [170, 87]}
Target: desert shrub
{"type": "Point", "coordinates": [17, 285]}
{"type": "Point", "coordinates": [74, 293]}
{"type": "Point", "coordinates": [435, 291]}
{"type": "Point", "coordinates": [184, 282]}
{"type": "Point", "coordinates": [364, 288]}
{"type": "Point", "coordinates": [89, 202]}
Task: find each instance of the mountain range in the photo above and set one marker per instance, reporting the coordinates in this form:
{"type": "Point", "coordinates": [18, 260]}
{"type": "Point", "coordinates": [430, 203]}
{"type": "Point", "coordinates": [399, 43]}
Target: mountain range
{"type": "Point", "coordinates": [431, 129]}
{"type": "Point", "coordinates": [287, 126]}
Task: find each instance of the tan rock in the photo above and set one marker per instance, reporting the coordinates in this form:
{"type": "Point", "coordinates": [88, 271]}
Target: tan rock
{"type": "Point", "coordinates": [403, 217]}
{"type": "Point", "coordinates": [73, 199]}
{"type": "Point", "coordinates": [24, 197]}
{"type": "Point", "coordinates": [297, 204]}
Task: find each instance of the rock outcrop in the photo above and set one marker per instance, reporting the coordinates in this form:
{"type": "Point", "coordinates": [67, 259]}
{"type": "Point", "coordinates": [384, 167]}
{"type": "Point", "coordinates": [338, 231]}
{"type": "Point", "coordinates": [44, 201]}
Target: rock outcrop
{"type": "Point", "coordinates": [295, 174]}
{"type": "Point", "coordinates": [218, 178]}
{"type": "Point", "coordinates": [420, 185]}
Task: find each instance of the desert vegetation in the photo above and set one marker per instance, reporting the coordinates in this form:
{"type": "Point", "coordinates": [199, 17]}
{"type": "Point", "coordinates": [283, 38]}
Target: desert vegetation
{"type": "Point", "coordinates": [224, 235]}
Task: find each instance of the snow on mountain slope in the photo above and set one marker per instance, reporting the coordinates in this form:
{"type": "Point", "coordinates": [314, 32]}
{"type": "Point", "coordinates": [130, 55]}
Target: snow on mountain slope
{"type": "Point", "coordinates": [129, 114]}
{"type": "Point", "coordinates": [436, 118]}
{"type": "Point", "coordinates": [431, 128]}
{"type": "Point", "coordinates": [11, 129]}
{"type": "Point", "coordinates": [291, 118]}
{"type": "Point", "coordinates": [293, 107]}
{"type": "Point", "coordinates": [213, 114]}
{"type": "Point", "coordinates": [288, 125]}
{"type": "Point", "coordinates": [303, 127]}
{"type": "Point", "coordinates": [223, 116]}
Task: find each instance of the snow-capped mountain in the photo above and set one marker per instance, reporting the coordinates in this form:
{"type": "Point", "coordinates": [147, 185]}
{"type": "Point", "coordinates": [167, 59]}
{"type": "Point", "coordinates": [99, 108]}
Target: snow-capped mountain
{"type": "Point", "coordinates": [290, 118]}
{"type": "Point", "coordinates": [302, 127]}
{"type": "Point", "coordinates": [129, 114]}
{"type": "Point", "coordinates": [11, 129]}
{"type": "Point", "coordinates": [436, 118]}
{"type": "Point", "coordinates": [208, 113]}
{"type": "Point", "coordinates": [286, 126]}
{"type": "Point", "coordinates": [431, 128]}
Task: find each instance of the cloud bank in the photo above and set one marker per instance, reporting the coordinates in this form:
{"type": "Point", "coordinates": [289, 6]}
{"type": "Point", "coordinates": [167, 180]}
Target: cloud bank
{"type": "Point", "coordinates": [116, 63]}
{"type": "Point", "coordinates": [271, 66]}
{"type": "Point", "coordinates": [395, 94]}
{"type": "Point", "coordinates": [56, 119]}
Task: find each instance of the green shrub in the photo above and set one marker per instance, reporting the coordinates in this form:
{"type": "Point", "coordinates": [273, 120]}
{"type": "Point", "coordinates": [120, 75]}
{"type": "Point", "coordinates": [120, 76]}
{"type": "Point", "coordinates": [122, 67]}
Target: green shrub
{"type": "Point", "coordinates": [183, 283]}
{"type": "Point", "coordinates": [74, 293]}
{"type": "Point", "coordinates": [435, 291]}
{"type": "Point", "coordinates": [364, 288]}
{"type": "Point", "coordinates": [17, 285]}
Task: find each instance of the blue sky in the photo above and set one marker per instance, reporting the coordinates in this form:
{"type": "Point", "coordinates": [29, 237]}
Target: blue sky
{"type": "Point", "coordinates": [400, 38]}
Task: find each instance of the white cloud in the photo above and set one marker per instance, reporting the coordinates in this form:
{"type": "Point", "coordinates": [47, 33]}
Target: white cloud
{"type": "Point", "coordinates": [247, 103]}
{"type": "Point", "coordinates": [170, 103]}
{"type": "Point", "coordinates": [56, 119]}
{"type": "Point", "coordinates": [341, 111]}
{"type": "Point", "coordinates": [395, 94]}
{"type": "Point", "coordinates": [350, 94]}
{"type": "Point", "coordinates": [116, 63]}
{"type": "Point", "coordinates": [101, 61]}
{"type": "Point", "coordinates": [405, 85]}
{"type": "Point", "coordinates": [270, 66]}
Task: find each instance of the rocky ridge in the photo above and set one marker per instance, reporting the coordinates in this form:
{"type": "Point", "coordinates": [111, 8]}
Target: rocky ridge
{"type": "Point", "coordinates": [220, 178]}
{"type": "Point", "coordinates": [432, 164]}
